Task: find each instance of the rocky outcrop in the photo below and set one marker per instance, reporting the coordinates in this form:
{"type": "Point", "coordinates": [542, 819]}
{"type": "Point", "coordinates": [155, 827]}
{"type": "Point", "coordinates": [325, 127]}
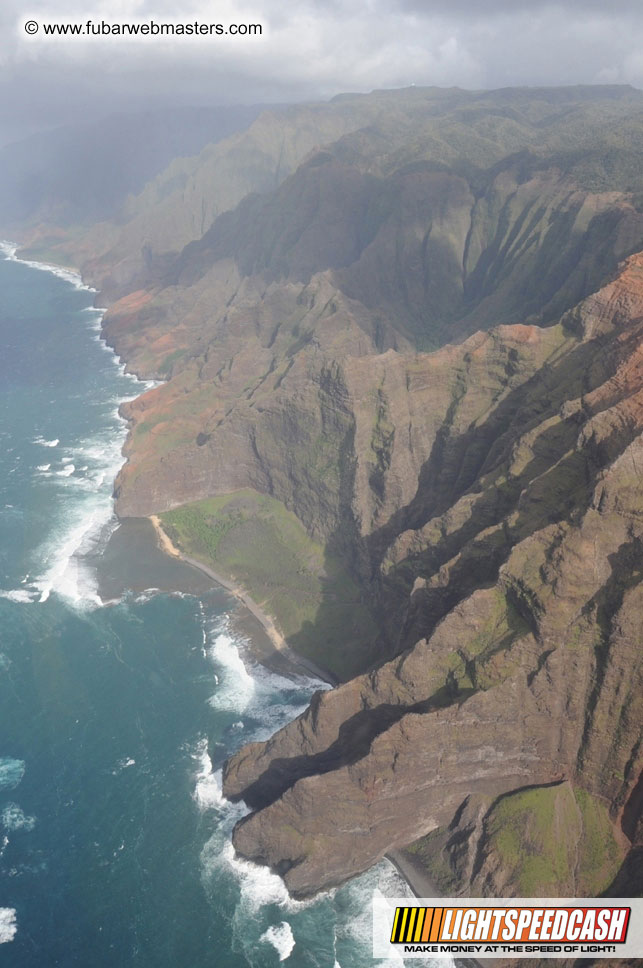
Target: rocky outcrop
{"type": "Point", "coordinates": [415, 320]}
{"type": "Point", "coordinates": [288, 343]}
{"type": "Point", "coordinates": [530, 668]}
{"type": "Point", "coordinates": [141, 234]}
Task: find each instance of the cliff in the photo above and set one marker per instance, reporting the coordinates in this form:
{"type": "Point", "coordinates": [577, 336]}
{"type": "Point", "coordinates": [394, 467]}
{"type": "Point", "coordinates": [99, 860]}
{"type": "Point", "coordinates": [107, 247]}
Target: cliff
{"type": "Point", "coordinates": [55, 186]}
{"type": "Point", "coordinates": [400, 340]}
{"type": "Point", "coordinates": [525, 667]}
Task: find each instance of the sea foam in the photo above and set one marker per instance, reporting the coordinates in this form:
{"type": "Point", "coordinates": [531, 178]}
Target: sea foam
{"type": "Point", "coordinates": [19, 594]}
{"type": "Point", "coordinates": [243, 685]}
{"type": "Point", "coordinates": [236, 685]}
{"type": "Point", "coordinates": [280, 936]}
{"type": "Point", "coordinates": [259, 886]}
{"type": "Point", "coordinates": [9, 249]}
{"type": "Point", "coordinates": [207, 792]}
{"type": "Point", "coordinates": [86, 516]}
{"type": "Point", "coordinates": [14, 818]}
{"type": "Point", "coordinates": [8, 924]}
{"type": "Point", "coordinates": [11, 772]}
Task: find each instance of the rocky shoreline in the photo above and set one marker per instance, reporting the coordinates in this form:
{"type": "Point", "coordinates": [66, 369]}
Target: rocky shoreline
{"type": "Point", "coordinates": [410, 871]}
{"type": "Point", "coordinates": [446, 392]}
{"type": "Point", "coordinates": [283, 654]}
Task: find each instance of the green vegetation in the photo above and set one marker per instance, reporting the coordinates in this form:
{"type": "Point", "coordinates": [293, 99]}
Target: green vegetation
{"type": "Point", "coordinates": [534, 833]}
{"type": "Point", "coordinates": [428, 850]}
{"type": "Point", "coordinates": [599, 855]}
{"type": "Point", "coordinates": [253, 540]}
{"type": "Point", "coordinates": [554, 840]}
{"type": "Point", "coordinates": [541, 842]}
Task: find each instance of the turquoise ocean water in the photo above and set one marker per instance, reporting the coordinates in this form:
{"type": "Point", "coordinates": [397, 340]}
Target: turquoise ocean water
{"type": "Point", "coordinates": [115, 718]}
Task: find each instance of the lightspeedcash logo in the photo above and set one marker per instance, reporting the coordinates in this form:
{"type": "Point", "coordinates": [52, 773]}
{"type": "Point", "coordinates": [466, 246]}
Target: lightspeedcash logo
{"type": "Point", "coordinates": [516, 928]}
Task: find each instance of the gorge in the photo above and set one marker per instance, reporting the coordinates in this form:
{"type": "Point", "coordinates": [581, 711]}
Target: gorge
{"type": "Point", "coordinates": [400, 343]}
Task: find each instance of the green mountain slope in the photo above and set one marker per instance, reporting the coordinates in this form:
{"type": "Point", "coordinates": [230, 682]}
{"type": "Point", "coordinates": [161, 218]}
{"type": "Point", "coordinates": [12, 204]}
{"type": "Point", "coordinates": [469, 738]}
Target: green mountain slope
{"type": "Point", "coordinates": [400, 337]}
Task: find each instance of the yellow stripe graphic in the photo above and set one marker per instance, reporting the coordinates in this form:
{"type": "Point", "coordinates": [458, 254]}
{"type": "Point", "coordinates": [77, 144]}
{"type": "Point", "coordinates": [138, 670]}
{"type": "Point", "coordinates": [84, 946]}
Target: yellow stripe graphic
{"type": "Point", "coordinates": [411, 924]}
{"type": "Point", "coordinates": [395, 920]}
{"type": "Point", "coordinates": [418, 926]}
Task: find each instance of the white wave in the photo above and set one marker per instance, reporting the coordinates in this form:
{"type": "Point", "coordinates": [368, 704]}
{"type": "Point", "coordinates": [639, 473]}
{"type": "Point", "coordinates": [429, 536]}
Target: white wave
{"type": "Point", "coordinates": [11, 772]}
{"type": "Point", "coordinates": [141, 598]}
{"type": "Point", "coordinates": [244, 685]}
{"type": "Point", "coordinates": [270, 700]}
{"type": "Point", "coordinates": [87, 502]}
{"type": "Point", "coordinates": [123, 764]}
{"type": "Point", "coordinates": [259, 886]}
{"type": "Point", "coordinates": [62, 272]}
{"type": "Point", "coordinates": [237, 686]}
{"type": "Point", "coordinates": [89, 521]}
{"type": "Point", "coordinates": [14, 818]}
{"type": "Point", "coordinates": [8, 925]}
{"type": "Point", "coordinates": [280, 936]}
{"type": "Point", "coordinates": [19, 595]}
{"type": "Point", "coordinates": [8, 249]}
{"type": "Point", "coordinates": [5, 662]}
{"type": "Point", "coordinates": [207, 792]}
{"type": "Point", "coordinates": [355, 922]}
{"type": "Point", "coordinates": [43, 467]}
{"type": "Point", "coordinates": [67, 575]}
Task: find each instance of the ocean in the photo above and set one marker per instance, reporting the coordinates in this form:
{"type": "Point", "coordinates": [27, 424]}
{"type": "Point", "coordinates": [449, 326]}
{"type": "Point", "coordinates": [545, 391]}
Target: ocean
{"type": "Point", "coordinates": [116, 715]}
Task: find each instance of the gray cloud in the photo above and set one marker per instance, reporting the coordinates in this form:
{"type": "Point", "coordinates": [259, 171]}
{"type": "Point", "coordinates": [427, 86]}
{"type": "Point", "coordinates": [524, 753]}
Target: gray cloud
{"type": "Point", "coordinates": [493, 8]}
{"type": "Point", "coordinates": [316, 48]}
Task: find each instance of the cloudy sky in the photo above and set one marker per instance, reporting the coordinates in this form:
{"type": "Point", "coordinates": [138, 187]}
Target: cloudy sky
{"type": "Point", "coordinates": [317, 48]}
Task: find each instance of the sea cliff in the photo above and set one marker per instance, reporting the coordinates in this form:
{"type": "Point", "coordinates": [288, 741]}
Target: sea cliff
{"type": "Point", "coordinates": [402, 405]}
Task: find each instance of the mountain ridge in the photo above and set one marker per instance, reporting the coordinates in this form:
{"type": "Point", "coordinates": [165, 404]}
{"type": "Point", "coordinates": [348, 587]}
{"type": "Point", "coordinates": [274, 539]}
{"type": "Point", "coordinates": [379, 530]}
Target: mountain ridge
{"type": "Point", "coordinates": [402, 350]}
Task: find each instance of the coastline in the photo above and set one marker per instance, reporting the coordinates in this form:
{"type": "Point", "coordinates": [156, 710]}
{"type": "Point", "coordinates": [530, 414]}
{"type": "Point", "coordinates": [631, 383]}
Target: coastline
{"type": "Point", "coordinates": [283, 657]}
{"type": "Point", "coordinates": [415, 876]}
{"type": "Point", "coordinates": [298, 664]}
{"type": "Point", "coordinates": [411, 872]}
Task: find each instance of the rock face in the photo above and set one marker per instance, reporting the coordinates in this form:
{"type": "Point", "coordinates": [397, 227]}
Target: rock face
{"type": "Point", "coordinates": [528, 594]}
{"type": "Point", "coordinates": [415, 320]}
{"type": "Point", "coordinates": [264, 355]}
{"type": "Point", "coordinates": [484, 494]}
{"type": "Point", "coordinates": [141, 234]}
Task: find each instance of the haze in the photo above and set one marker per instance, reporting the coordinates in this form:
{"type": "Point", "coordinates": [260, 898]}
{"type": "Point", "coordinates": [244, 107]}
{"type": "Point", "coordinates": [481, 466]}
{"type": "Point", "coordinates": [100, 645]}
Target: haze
{"type": "Point", "coordinates": [319, 49]}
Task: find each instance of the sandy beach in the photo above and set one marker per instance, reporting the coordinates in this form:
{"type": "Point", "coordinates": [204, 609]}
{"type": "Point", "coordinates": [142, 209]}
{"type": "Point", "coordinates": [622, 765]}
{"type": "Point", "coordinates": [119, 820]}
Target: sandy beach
{"type": "Point", "coordinates": [298, 664]}
{"type": "Point", "coordinates": [411, 871]}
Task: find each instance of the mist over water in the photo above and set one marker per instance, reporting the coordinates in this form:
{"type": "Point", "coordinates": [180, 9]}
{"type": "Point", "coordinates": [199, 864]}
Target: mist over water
{"type": "Point", "coordinates": [115, 719]}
